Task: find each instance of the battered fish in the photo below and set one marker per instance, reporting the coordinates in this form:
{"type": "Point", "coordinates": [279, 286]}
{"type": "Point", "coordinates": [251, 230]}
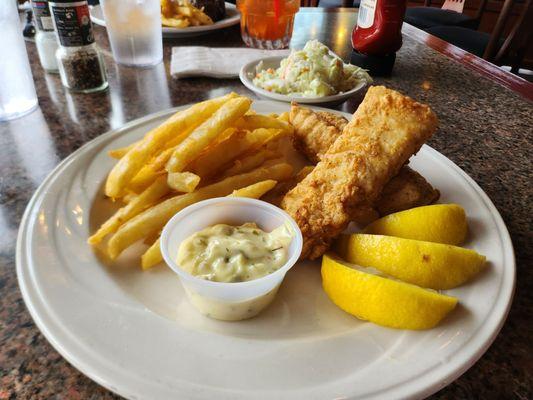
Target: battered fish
{"type": "Point", "coordinates": [315, 132]}
{"type": "Point", "coordinates": [406, 190]}
{"type": "Point", "coordinates": [386, 130]}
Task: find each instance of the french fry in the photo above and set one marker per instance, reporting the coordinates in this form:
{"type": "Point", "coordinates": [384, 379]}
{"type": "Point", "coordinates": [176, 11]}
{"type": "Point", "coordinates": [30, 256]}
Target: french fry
{"type": "Point", "coordinates": [150, 240]}
{"type": "Point", "coordinates": [121, 152]}
{"type": "Point", "coordinates": [249, 162]}
{"type": "Point", "coordinates": [184, 182]}
{"type": "Point", "coordinates": [173, 22]}
{"type": "Point", "coordinates": [153, 219]}
{"type": "Point", "coordinates": [167, 8]}
{"type": "Point", "coordinates": [202, 18]}
{"type": "Point", "coordinates": [152, 170]}
{"type": "Point", "coordinates": [138, 204]}
{"type": "Point", "coordinates": [267, 135]}
{"type": "Point", "coordinates": [220, 154]}
{"type": "Point", "coordinates": [184, 10]}
{"type": "Point", "coordinates": [191, 147]}
{"type": "Point", "coordinates": [182, 14]}
{"type": "Point", "coordinates": [179, 125]}
{"type": "Point", "coordinates": [255, 191]}
{"type": "Point", "coordinates": [128, 197]}
{"type": "Point", "coordinates": [144, 178]}
{"type": "Point", "coordinates": [284, 117]}
{"type": "Point", "coordinates": [223, 136]}
{"type": "Point", "coordinates": [256, 121]}
{"type": "Point", "coordinates": [225, 152]}
{"type": "Point", "coordinates": [152, 256]}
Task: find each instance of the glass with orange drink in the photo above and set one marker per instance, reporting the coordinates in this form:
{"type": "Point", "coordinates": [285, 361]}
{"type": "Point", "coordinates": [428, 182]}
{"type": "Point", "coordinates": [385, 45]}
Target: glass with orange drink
{"type": "Point", "coordinates": [267, 24]}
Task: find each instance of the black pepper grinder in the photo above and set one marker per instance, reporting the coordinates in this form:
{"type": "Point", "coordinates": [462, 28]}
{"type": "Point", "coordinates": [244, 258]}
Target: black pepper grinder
{"type": "Point", "coordinates": [80, 63]}
{"type": "Point", "coordinates": [29, 27]}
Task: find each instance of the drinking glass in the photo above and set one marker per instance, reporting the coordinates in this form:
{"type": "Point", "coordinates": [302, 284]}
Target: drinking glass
{"type": "Point", "coordinates": [134, 30]}
{"type": "Point", "coordinates": [267, 24]}
{"type": "Point", "coordinates": [17, 91]}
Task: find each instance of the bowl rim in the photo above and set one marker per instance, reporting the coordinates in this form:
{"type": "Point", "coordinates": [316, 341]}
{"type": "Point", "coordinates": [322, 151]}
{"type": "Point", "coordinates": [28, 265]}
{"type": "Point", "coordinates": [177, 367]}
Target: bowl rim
{"type": "Point", "coordinates": [263, 206]}
{"type": "Point", "coordinates": [246, 81]}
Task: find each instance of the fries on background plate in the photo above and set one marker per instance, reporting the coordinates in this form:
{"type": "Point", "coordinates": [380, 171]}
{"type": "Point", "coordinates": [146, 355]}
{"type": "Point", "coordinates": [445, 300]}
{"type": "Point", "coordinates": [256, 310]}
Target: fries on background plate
{"type": "Point", "coordinates": [182, 14]}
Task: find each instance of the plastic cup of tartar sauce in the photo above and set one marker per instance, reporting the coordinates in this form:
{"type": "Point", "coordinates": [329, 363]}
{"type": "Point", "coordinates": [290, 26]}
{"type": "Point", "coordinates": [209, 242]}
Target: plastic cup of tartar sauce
{"type": "Point", "coordinates": [221, 300]}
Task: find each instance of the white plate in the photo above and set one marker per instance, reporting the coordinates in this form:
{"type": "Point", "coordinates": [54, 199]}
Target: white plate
{"type": "Point", "coordinates": [249, 71]}
{"type": "Point", "coordinates": [232, 18]}
{"type": "Point", "coordinates": [135, 333]}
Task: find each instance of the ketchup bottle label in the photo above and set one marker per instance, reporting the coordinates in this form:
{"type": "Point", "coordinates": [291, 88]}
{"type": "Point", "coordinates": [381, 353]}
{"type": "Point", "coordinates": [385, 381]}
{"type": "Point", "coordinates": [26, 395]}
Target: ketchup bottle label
{"type": "Point", "coordinates": [367, 9]}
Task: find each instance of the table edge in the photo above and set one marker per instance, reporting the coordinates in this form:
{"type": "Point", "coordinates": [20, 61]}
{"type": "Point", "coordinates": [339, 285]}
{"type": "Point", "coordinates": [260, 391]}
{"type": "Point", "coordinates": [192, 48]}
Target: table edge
{"type": "Point", "coordinates": [469, 60]}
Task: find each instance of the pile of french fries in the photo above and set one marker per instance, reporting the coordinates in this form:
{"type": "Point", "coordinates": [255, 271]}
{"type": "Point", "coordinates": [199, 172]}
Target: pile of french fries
{"type": "Point", "coordinates": [219, 147]}
{"type": "Point", "coordinates": [181, 14]}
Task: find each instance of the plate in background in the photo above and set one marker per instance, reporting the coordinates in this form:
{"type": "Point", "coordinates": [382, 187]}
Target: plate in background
{"type": "Point", "coordinates": [249, 71]}
{"type": "Point", "coordinates": [233, 17]}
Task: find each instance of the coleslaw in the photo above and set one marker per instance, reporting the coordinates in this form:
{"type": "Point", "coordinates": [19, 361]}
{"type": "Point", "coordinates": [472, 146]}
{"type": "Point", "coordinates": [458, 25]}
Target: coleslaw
{"type": "Point", "coordinates": [314, 71]}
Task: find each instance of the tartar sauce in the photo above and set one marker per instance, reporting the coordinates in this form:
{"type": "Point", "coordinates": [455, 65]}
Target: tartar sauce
{"type": "Point", "coordinates": [225, 253]}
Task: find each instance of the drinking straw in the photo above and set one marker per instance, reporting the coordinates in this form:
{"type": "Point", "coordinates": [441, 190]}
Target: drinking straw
{"type": "Point", "coordinates": [277, 10]}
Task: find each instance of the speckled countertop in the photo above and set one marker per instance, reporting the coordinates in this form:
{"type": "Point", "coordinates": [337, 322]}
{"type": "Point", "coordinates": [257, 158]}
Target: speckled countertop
{"type": "Point", "coordinates": [486, 129]}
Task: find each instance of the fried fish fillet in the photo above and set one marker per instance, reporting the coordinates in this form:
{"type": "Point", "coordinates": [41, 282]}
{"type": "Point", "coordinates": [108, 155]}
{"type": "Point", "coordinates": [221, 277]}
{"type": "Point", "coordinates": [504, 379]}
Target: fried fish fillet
{"type": "Point", "coordinates": [406, 190]}
{"type": "Point", "coordinates": [275, 195]}
{"type": "Point", "coordinates": [386, 130]}
{"type": "Point", "coordinates": [315, 132]}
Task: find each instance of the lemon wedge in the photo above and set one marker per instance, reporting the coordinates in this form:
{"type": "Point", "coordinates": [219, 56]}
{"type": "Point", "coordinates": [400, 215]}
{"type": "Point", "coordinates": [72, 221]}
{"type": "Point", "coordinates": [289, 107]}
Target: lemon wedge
{"type": "Point", "coordinates": [426, 264]}
{"type": "Point", "coordinates": [383, 301]}
{"type": "Point", "coordinates": [440, 223]}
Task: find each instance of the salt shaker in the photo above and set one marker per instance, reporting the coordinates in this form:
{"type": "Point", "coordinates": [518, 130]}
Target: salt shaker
{"type": "Point", "coordinates": [45, 38]}
{"type": "Point", "coordinates": [80, 63]}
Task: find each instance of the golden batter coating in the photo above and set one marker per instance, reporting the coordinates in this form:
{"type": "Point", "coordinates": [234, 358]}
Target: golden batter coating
{"type": "Point", "coordinates": [386, 130]}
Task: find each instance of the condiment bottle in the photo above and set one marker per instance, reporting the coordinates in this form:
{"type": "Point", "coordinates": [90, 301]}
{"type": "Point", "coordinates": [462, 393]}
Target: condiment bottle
{"type": "Point", "coordinates": [80, 63]}
{"type": "Point", "coordinates": [377, 36]}
{"type": "Point", "coordinates": [45, 38]}
{"type": "Point", "coordinates": [29, 29]}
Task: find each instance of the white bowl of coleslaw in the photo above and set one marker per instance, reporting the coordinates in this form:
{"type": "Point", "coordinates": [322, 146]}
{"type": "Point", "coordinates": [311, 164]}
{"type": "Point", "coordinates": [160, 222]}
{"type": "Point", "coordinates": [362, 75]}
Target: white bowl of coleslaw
{"type": "Point", "coordinates": [313, 75]}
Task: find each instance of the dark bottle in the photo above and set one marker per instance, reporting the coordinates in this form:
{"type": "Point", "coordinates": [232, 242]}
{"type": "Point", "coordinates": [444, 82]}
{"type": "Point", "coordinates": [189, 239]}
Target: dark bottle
{"type": "Point", "coordinates": [377, 36]}
{"type": "Point", "coordinates": [29, 28]}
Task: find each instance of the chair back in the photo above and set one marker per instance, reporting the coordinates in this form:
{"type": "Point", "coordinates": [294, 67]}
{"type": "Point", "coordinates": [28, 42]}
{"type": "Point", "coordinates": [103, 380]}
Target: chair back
{"type": "Point", "coordinates": [454, 5]}
{"type": "Point", "coordinates": [515, 45]}
{"type": "Point", "coordinates": [339, 3]}
{"type": "Point", "coordinates": [459, 5]}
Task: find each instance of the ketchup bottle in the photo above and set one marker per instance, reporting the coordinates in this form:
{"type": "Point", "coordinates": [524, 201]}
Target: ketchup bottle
{"type": "Point", "coordinates": [377, 35]}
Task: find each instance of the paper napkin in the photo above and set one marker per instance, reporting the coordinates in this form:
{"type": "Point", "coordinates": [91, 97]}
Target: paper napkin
{"type": "Point", "coordinates": [215, 62]}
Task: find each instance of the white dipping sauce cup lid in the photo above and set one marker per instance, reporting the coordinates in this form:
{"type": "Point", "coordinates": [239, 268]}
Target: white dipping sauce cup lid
{"type": "Point", "coordinates": [231, 211]}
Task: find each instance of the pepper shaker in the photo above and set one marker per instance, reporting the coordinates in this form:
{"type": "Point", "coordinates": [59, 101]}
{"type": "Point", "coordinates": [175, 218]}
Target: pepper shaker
{"type": "Point", "coordinates": [80, 63]}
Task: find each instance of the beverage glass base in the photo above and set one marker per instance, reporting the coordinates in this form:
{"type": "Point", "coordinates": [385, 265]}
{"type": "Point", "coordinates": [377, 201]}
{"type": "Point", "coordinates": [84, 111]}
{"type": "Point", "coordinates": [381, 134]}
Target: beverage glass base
{"type": "Point", "coordinates": [23, 107]}
{"type": "Point", "coordinates": [100, 88]}
{"type": "Point", "coordinates": [135, 65]}
{"type": "Point", "coordinates": [266, 44]}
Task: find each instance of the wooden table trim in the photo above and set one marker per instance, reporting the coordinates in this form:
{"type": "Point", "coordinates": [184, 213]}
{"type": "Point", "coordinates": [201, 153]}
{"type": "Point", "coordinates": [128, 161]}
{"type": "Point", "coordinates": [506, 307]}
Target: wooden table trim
{"type": "Point", "coordinates": [471, 61]}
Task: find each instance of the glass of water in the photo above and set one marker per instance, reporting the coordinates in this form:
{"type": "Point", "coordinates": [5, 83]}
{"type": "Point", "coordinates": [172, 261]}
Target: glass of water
{"type": "Point", "coordinates": [134, 30]}
{"type": "Point", "coordinates": [17, 92]}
